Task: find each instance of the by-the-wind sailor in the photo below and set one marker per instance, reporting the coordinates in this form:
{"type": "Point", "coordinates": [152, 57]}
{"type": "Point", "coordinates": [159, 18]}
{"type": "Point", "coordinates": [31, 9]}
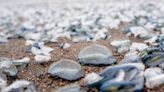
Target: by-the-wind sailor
{"type": "Point", "coordinates": [33, 36]}
{"type": "Point", "coordinates": [69, 88]}
{"type": "Point", "coordinates": [124, 72]}
{"type": "Point", "coordinates": [152, 56]}
{"type": "Point", "coordinates": [126, 67]}
{"type": "Point", "coordinates": [96, 54]}
{"type": "Point", "coordinates": [100, 34]}
{"type": "Point", "coordinates": [139, 80]}
{"type": "Point", "coordinates": [131, 59]}
{"type": "Point", "coordinates": [124, 86]}
{"type": "Point", "coordinates": [140, 32]}
{"type": "Point", "coordinates": [118, 84]}
{"type": "Point", "coordinates": [3, 81]}
{"type": "Point", "coordinates": [20, 86]}
{"type": "Point", "coordinates": [138, 46]}
{"type": "Point", "coordinates": [92, 78]}
{"type": "Point", "coordinates": [152, 40]}
{"type": "Point", "coordinates": [161, 65]}
{"type": "Point", "coordinates": [66, 69]}
{"type": "Point", "coordinates": [121, 46]}
{"type": "Point", "coordinates": [3, 40]}
{"type": "Point", "coordinates": [162, 30]}
{"type": "Point", "coordinates": [160, 42]}
{"type": "Point", "coordinates": [155, 59]}
{"type": "Point", "coordinates": [154, 77]}
{"type": "Point", "coordinates": [21, 63]}
{"type": "Point", "coordinates": [130, 69]}
{"type": "Point", "coordinates": [119, 43]}
{"type": "Point", "coordinates": [96, 80]}
{"type": "Point", "coordinates": [8, 67]}
{"type": "Point", "coordinates": [41, 50]}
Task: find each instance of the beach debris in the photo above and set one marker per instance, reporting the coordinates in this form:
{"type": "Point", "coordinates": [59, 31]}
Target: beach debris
{"type": "Point", "coordinates": [65, 45]}
{"type": "Point", "coordinates": [42, 58]}
{"type": "Point", "coordinates": [66, 69]}
{"type": "Point", "coordinates": [41, 52]}
{"type": "Point", "coordinates": [154, 77]}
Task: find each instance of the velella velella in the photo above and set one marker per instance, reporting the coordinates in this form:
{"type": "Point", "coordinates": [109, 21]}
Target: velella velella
{"type": "Point", "coordinates": [96, 54]}
{"type": "Point", "coordinates": [20, 86]}
{"type": "Point", "coordinates": [21, 63]}
{"type": "Point", "coordinates": [131, 59]}
{"type": "Point", "coordinates": [7, 66]}
{"type": "Point", "coordinates": [66, 69]}
{"type": "Point", "coordinates": [118, 76]}
{"type": "Point", "coordinates": [152, 56]}
{"type": "Point", "coordinates": [92, 78]}
{"type": "Point", "coordinates": [70, 88]}
{"type": "Point", "coordinates": [121, 45]}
